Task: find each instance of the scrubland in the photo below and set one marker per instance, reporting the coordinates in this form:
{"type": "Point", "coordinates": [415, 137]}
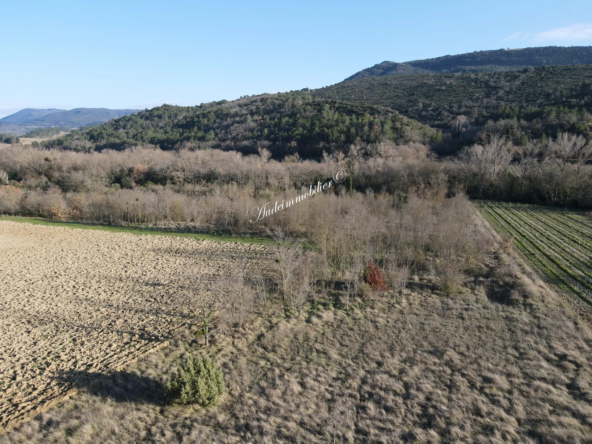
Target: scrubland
{"type": "Point", "coordinates": [467, 344]}
{"type": "Point", "coordinates": [504, 360]}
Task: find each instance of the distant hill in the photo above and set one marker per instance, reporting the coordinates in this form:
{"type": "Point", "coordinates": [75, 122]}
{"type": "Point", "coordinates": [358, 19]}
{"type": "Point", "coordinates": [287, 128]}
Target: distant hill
{"type": "Point", "coordinates": [285, 124]}
{"type": "Point", "coordinates": [387, 69]}
{"type": "Point", "coordinates": [27, 114]}
{"type": "Point", "coordinates": [484, 61]}
{"type": "Point", "coordinates": [29, 119]}
{"type": "Point", "coordinates": [540, 100]}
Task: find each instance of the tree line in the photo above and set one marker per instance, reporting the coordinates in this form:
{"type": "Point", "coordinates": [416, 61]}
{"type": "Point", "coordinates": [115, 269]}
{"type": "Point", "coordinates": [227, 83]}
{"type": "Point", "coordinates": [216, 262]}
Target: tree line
{"type": "Point", "coordinates": [45, 132]}
{"type": "Point", "coordinates": [9, 138]}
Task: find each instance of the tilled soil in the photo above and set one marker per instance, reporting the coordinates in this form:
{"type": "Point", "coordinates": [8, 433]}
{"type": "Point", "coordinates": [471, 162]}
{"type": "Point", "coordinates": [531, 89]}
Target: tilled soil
{"type": "Point", "coordinates": [76, 302]}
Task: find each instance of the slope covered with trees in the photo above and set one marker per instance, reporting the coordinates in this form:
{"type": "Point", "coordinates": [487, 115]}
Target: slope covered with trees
{"type": "Point", "coordinates": [45, 132]}
{"type": "Point", "coordinates": [530, 102]}
{"type": "Point", "coordinates": [484, 61]}
{"type": "Point", "coordinates": [284, 124]}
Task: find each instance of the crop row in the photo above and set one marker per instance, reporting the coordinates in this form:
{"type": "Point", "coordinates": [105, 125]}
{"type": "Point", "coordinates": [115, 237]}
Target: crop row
{"type": "Point", "coordinates": [557, 243]}
{"type": "Point", "coordinates": [544, 241]}
{"type": "Point", "coordinates": [558, 246]}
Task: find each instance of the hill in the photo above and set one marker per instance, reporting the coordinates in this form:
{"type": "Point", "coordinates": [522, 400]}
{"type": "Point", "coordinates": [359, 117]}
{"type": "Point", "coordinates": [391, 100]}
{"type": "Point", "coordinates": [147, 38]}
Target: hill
{"type": "Point", "coordinates": [484, 61]}
{"type": "Point", "coordinates": [286, 124]}
{"type": "Point", "coordinates": [75, 118]}
{"type": "Point", "coordinates": [29, 119]}
{"type": "Point", "coordinates": [387, 69]}
{"type": "Point", "coordinates": [27, 114]}
{"type": "Point", "coordinates": [542, 100]}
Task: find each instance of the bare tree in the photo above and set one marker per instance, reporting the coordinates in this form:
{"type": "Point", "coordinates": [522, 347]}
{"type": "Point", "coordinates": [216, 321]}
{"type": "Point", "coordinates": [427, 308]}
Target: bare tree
{"type": "Point", "coordinates": [237, 297]}
{"type": "Point", "coordinates": [529, 167]}
{"type": "Point", "coordinates": [265, 154]}
{"type": "Point", "coordinates": [352, 273]}
{"type": "Point", "coordinates": [201, 306]}
{"type": "Point", "coordinates": [490, 159]}
{"type": "Point", "coordinates": [571, 151]}
{"type": "Point", "coordinates": [308, 271]}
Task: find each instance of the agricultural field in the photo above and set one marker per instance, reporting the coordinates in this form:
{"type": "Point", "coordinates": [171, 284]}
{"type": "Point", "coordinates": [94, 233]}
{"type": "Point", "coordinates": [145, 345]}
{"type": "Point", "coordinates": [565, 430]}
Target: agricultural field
{"type": "Point", "coordinates": [76, 303]}
{"type": "Point", "coordinates": [558, 242]}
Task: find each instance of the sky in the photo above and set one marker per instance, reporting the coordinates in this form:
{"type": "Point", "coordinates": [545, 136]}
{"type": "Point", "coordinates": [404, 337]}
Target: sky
{"type": "Point", "coordinates": [141, 54]}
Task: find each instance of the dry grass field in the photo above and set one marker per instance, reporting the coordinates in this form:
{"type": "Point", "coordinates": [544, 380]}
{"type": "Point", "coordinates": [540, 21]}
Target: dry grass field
{"type": "Point", "coordinates": [80, 302]}
{"type": "Point", "coordinates": [413, 367]}
{"type": "Point", "coordinates": [30, 140]}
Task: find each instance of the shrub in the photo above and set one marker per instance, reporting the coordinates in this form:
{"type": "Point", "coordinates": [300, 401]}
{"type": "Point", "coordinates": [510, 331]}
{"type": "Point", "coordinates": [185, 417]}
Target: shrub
{"type": "Point", "coordinates": [198, 381]}
{"type": "Point", "coordinates": [397, 277]}
{"type": "Point", "coordinates": [451, 278]}
{"type": "Point", "coordinates": [374, 278]}
{"type": "Point", "coordinates": [364, 290]}
{"type": "Point", "coordinates": [10, 198]}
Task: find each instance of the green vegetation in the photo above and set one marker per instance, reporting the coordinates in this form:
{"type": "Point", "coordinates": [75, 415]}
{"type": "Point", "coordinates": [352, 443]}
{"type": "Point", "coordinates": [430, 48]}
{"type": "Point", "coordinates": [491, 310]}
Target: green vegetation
{"type": "Point", "coordinates": [45, 132]}
{"type": "Point", "coordinates": [484, 61]}
{"type": "Point", "coordinates": [9, 138]}
{"type": "Point", "coordinates": [536, 101]}
{"type": "Point", "coordinates": [557, 242]}
{"type": "Point", "coordinates": [198, 381]}
{"type": "Point", "coordinates": [140, 231]}
{"type": "Point", "coordinates": [286, 124]}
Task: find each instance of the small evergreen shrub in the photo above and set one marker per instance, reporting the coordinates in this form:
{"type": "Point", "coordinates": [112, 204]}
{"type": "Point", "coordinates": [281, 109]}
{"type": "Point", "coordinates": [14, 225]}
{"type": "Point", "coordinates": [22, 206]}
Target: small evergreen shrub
{"type": "Point", "coordinates": [198, 381]}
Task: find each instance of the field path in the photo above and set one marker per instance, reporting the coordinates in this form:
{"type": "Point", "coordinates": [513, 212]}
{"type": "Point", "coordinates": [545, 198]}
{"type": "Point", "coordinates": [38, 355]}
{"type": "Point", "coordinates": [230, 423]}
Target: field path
{"type": "Point", "coordinates": [76, 301]}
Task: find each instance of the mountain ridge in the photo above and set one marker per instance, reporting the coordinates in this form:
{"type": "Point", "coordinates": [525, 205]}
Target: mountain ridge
{"type": "Point", "coordinates": [29, 119]}
{"type": "Point", "coordinates": [522, 104]}
{"type": "Point", "coordinates": [27, 114]}
{"type": "Point", "coordinates": [483, 61]}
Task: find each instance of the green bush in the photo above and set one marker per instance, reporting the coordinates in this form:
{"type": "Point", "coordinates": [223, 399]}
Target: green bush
{"type": "Point", "coordinates": [198, 381]}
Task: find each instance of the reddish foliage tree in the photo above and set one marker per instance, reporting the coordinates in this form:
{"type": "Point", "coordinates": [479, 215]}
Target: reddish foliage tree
{"type": "Point", "coordinates": [374, 277]}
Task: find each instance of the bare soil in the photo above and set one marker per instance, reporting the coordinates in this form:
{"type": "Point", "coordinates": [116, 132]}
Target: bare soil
{"type": "Point", "coordinates": [77, 302]}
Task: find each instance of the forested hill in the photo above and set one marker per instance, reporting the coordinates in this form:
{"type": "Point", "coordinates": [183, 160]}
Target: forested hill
{"type": "Point", "coordinates": [285, 124]}
{"type": "Point", "coordinates": [550, 98]}
{"type": "Point", "coordinates": [29, 119]}
{"type": "Point", "coordinates": [484, 61]}
{"type": "Point", "coordinates": [28, 114]}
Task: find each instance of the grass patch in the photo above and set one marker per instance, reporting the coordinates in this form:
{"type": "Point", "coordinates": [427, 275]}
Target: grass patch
{"type": "Point", "coordinates": [138, 230]}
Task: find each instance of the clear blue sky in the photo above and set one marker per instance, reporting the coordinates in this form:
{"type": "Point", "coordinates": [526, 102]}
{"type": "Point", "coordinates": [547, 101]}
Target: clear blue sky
{"type": "Point", "coordinates": [138, 54]}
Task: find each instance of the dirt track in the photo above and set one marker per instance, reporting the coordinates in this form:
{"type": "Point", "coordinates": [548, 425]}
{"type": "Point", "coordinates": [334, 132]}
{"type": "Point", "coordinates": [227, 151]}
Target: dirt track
{"type": "Point", "coordinates": [76, 301]}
